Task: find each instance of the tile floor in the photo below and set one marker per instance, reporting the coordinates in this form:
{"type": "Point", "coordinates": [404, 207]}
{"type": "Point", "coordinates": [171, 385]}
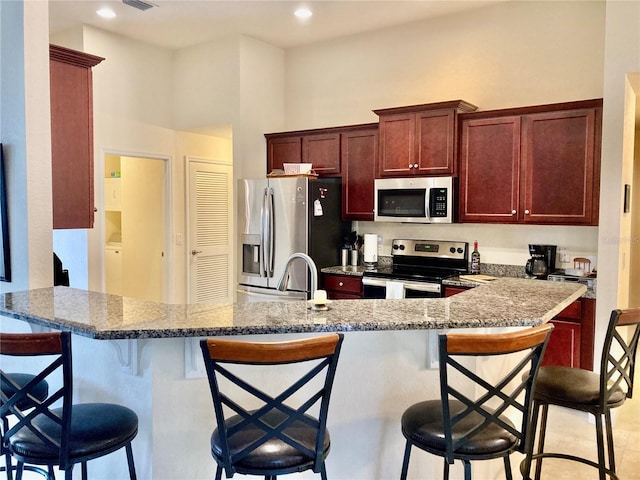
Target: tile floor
{"type": "Point", "coordinates": [574, 433]}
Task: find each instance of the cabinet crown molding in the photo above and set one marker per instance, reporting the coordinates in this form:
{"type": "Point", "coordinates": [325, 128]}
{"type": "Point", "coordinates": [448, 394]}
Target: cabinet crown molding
{"type": "Point", "coordinates": [73, 57]}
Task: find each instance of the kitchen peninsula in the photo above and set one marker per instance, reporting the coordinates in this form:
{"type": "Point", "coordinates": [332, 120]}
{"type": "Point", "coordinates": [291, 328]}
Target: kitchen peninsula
{"type": "Point", "coordinates": [506, 302]}
{"type": "Point", "coordinates": [386, 364]}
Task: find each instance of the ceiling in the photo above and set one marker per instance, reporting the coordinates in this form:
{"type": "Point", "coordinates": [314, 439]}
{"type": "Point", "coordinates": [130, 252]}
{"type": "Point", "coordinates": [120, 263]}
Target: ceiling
{"type": "Point", "coordinates": [176, 24]}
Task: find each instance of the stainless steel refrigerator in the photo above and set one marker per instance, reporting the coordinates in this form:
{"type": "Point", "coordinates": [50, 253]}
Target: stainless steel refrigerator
{"type": "Point", "coordinates": [279, 216]}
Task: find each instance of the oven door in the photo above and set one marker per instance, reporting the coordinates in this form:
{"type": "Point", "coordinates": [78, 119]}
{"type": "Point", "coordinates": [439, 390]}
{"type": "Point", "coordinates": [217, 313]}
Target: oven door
{"type": "Point", "coordinates": [377, 288]}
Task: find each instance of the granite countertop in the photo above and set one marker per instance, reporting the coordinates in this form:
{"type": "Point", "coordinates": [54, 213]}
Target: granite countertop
{"type": "Point", "coordinates": [506, 302]}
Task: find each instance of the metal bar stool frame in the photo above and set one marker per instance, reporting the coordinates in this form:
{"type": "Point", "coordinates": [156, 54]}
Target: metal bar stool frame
{"type": "Point", "coordinates": [246, 440]}
{"type": "Point", "coordinates": [474, 427]}
{"type": "Point", "coordinates": [610, 388]}
{"type": "Point", "coordinates": [10, 383]}
{"type": "Point", "coordinates": [44, 429]}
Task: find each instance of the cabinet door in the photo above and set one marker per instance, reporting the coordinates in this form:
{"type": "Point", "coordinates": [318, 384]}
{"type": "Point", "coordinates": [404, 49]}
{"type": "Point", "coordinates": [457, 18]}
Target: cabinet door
{"type": "Point", "coordinates": [397, 145]}
{"type": "Point", "coordinates": [283, 150]}
{"type": "Point", "coordinates": [71, 137]}
{"type": "Point", "coordinates": [490, 170]}
{"type": "Point", "coordinates": [359, 154]}
{"type": "Point", "coordinates": [559, 178]}
{"type": "Point", "coordinates": [323, 152]}
{"type": "Point", "coordinates": [435, 137]}
{"type": "Point", "coordinates": [563, 349]}
{"type": "Point", "coordinates": [450, 291]}
{"type": "Point", "coordinates": [342, 287]}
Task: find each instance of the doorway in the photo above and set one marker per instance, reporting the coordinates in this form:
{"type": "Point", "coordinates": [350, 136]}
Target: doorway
{"type": "Point", "coordinates": [135, 211]}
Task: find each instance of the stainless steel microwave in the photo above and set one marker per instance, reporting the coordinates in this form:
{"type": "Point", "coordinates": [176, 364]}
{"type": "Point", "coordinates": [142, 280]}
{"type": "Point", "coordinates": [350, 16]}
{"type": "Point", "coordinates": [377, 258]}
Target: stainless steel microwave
{"type": "Point", "coordinates": [414, 200]}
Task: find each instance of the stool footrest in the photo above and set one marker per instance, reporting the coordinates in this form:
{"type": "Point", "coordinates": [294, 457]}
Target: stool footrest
{"type": "Point", "coordinates": [30, 468]}
{"type": "Point", "coordinates": [564, 456]}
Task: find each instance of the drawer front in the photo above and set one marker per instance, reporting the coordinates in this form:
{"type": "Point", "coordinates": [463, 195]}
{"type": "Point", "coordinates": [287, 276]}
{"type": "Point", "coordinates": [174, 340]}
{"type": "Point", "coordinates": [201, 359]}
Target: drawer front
{"type": "Point", "coordinates": [343, 283]}
{"type": "Point", "coordinates": [572, 312]}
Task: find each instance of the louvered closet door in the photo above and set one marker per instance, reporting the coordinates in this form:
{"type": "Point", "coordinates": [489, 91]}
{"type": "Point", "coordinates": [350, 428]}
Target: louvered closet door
{"type": "Point", "coordinates": [210, 227]}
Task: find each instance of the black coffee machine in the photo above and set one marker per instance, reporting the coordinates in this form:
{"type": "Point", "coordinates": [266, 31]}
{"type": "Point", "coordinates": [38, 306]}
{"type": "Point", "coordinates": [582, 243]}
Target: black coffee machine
{"type": "Point", "coordinates": [542, 261]}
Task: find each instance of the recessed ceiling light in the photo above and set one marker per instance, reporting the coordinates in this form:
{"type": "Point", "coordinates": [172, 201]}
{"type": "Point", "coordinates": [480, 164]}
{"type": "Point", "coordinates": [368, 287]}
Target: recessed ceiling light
{"type": "Point", "coordinates": [303, 13]}
{"type": "Point", "coordinates": [106, 13]}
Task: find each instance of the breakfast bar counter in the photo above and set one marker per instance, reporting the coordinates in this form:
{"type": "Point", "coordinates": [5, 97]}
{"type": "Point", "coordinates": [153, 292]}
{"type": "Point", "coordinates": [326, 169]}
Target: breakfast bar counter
{"type": "Point", "coordinates": [146, 356]}
{"type": "Point", "coordinates": [506, 302]}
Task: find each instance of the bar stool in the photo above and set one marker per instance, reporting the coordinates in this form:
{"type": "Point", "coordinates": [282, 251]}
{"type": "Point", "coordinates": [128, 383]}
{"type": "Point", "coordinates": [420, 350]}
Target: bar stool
{"type": "Point", "coordinates": [63, 436]}
{"type": "Point", "coordinates": [586, 391]}
{"type": "Point", "coordinates": [475, 427]}
{"type": "Point", "coordinates": [10, 383]}
{"type": "Point", "coordinates": [284, 431]}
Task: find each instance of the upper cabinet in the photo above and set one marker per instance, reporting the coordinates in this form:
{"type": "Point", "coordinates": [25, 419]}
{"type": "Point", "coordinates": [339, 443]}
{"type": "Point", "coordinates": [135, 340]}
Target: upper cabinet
{"type": "Point", "coordinates": [72, 137]}
{"type": "Point", "coordinates": [420, 139]}
{"type": "Point", "coordinates": [538, 165]}
{"type": "Point", "coordinates": [320, 149]}
{"type": "Point", "coordinates": [349, 151]}
{"type": "Point", "coordinates": [359, 153]}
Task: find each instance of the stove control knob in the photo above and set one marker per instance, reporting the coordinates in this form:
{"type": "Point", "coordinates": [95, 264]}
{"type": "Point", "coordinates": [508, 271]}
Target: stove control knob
{"type": "Point", "coordinates": [401, 247]}
{"type": "Point", "coordinates": [395, 247]}
{"type": "Point", "coordinates": [452, 249]}
{"type": "Point", "coordinates": [460, 250]}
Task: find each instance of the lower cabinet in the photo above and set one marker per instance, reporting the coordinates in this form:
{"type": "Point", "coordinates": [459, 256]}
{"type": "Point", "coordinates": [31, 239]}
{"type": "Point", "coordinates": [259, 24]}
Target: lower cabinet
{"type": "Point", "coordinates": [342, 287]}
{"type": "Point", "coordinates": [572, 340]}
{"type": "Point", "coordinates": [449, 291]}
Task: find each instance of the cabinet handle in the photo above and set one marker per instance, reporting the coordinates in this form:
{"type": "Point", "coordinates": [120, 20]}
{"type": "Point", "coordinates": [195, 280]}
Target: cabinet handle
{"type": "Point", "coordinates": [415, 165]}
{"type": "Point", "coordinates": [195, 252]}
{"type": "Point", "coordinates": [513, 212]}
{"type": "Point", "coordinates": [410, 165]}
{"type": "Point", "coordinates": [526, 212]}
{"type": "Point", "coordinates": [340, 284]}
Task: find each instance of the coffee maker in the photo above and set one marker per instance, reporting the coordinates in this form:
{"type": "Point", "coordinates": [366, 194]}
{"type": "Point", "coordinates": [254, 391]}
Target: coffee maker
{"type": "Point", "coordinates": [542, 261]}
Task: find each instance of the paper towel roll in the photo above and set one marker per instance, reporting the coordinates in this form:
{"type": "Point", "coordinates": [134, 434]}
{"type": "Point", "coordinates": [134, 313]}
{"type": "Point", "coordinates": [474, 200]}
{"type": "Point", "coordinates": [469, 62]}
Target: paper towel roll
{"type": "Point", "coordinates": [370, 248]}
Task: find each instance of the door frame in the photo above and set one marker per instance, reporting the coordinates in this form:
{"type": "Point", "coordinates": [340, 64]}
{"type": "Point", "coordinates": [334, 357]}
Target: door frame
{"type": "Point", "coordinates": [167, 283]}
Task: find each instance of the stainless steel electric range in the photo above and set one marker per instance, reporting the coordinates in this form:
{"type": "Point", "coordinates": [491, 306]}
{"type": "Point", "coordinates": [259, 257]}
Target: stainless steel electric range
{"type": "Point", "coordinates": [417, 270]}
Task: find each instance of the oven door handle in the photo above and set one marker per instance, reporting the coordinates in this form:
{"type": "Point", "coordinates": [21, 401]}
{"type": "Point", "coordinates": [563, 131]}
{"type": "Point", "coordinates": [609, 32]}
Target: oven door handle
{"type": "Point", "coordinates": [422, 287]}
{"type": "Point", "coordinates": [373, 282]}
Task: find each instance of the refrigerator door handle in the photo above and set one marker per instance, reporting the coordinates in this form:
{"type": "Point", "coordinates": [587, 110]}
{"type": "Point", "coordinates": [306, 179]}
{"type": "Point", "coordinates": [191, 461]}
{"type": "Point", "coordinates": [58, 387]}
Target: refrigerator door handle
{"type": "Point", "coordinates": [267, 232]}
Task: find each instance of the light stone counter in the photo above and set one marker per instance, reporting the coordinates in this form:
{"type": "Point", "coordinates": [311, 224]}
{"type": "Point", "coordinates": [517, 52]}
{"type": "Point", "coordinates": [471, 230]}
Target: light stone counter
{"type": "Point", "coordinates": [506, 302]}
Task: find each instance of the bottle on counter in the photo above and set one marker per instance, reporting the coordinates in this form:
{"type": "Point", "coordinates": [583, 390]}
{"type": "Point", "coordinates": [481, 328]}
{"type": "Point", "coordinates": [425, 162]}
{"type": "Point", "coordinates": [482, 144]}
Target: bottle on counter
{"type": "Point", "coordinates": [475, 259]}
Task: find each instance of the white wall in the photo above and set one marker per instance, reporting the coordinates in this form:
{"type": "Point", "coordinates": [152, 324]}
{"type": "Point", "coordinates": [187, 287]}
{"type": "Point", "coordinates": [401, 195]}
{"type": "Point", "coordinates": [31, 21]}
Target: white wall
{"type": "Point", "coordinates": [26, 137]}
{"type": "Point", "coordinates": [510, 54]}
{"type": "Point", "coordinates": [622, 56]}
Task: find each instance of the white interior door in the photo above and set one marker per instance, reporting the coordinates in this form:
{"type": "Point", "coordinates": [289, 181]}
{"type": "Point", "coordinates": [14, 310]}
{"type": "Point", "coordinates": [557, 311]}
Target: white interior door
{"type": "Point", "coordinates": [143, 228]}
{"type": "Point", "coordinates": [210, 231]}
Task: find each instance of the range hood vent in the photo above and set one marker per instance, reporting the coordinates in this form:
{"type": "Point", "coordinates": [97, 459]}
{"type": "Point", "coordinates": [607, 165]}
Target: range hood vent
{"type": "Point", "coordinates": [139, 4]}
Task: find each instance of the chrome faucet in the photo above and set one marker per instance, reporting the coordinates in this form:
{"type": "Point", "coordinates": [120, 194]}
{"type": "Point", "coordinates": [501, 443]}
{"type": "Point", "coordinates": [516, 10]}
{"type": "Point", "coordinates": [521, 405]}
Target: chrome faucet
{"type": "Point", "coordinates": [284, 280]}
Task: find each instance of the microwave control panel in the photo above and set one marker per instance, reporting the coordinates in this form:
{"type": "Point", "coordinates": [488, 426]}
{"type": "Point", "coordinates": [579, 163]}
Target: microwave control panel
{"type": "Point", "coordinates": [438, 202]}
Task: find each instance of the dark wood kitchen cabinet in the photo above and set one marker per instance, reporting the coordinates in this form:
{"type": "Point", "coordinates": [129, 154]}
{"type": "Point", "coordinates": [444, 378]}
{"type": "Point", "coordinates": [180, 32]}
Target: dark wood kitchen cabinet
{"type": "Point", "coordinates": [359, 154]}
{"type": "Point", "coordinates": [419, 139]}
{"type": "Point", "coordinates": [537, 165]}
{"type": "Point", "coordinates": [72, 137]}
{"type": "Point", "coordinates": [321, 149]}
{"type": "Point", "coordinates": [571, 343]}
{"type": "Point", "coordinates": [348, 151]}
{"type": "Point", "coordinates": [342, 287]}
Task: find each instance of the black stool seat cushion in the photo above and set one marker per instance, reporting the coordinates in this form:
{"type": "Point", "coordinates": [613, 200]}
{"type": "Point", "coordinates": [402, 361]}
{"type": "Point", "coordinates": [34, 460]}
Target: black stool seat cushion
{"type": "Point", "coordinates": [40, 391]}
{"type": "Point", "coordinates": [274, 454]}
{"type": "Point", "coordinates": [422, 424]}
{"type": "Point", "coordinates": [95, 428]}
{"type": "Point", "coordinates": [563, 385]}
